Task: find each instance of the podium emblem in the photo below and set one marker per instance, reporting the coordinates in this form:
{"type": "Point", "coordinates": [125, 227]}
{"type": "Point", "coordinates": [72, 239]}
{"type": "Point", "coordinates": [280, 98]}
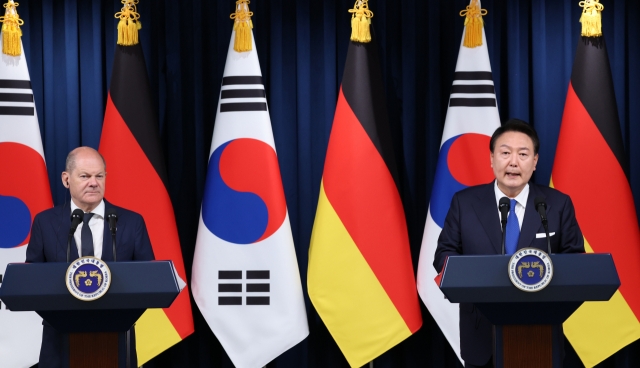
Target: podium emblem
{"type": "Point", "coordinates": [88, 278]}
{"type": "Point", "coordinates": [530, 269]}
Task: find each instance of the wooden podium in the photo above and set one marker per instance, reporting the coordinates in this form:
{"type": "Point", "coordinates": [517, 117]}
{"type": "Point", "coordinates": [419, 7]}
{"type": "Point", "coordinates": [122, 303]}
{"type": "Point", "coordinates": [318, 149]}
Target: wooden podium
{"type": "Point", "coordinates": [93, 326]}
{"type": "Point", "coordinates": [527, 324]}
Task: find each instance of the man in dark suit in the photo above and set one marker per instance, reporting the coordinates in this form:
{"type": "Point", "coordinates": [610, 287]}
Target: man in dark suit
{"type": "Point", "coordinates": [472, 225]}
{"type": "Point", "coordinates": [85, 177]}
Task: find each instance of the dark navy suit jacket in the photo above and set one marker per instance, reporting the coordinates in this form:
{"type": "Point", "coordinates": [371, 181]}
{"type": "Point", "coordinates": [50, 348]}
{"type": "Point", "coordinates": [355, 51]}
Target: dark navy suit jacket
{"type": "Point", "coordinates": [472, 226]}
{"type": "Point", "coordinates": [48, 243]}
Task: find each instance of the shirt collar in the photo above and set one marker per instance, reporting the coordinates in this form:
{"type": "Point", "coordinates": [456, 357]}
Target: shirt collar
{"type": "Point", "coordinates": [98, 211]}
{"type": "Point", "coordinates": [520, 198]}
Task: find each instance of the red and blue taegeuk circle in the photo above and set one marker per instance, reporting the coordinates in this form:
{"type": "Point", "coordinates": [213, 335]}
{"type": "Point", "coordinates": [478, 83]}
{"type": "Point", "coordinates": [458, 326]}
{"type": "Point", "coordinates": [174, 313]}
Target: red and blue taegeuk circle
{"type": "Point", "coordinates": [244, 200]}
{"type": "Point", "coordinates": [463, 162]}
{"type": "Point", "coordinates": [24, 192]}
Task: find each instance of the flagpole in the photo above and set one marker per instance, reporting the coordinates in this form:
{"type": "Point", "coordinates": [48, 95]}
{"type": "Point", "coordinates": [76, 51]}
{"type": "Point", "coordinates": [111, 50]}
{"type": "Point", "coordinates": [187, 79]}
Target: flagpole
{"type": "Point", "coordinates": [371, 364]}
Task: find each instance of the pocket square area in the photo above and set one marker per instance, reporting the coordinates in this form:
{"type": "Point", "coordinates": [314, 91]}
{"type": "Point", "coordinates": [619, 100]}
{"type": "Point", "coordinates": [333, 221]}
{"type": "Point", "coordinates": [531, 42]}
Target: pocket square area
{"type": "Point", "coordinates": [543, 235]}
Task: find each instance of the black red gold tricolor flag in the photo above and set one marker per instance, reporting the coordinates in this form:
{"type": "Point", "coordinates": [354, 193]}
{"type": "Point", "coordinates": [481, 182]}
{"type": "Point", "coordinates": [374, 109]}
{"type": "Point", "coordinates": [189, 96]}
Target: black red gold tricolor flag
{"type": "Point", "coordinates": [130, 144]}
{"type": "Point", "coordinates": [591, 167]}
{"type": "Point", "coordinates": [360, 275]}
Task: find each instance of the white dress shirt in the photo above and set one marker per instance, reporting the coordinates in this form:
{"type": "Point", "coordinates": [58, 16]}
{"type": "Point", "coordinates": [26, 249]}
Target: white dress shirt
{"type": "Point", "coordinates": [521, 201]}
{"type": "Point", "coordinates": [96, 224]}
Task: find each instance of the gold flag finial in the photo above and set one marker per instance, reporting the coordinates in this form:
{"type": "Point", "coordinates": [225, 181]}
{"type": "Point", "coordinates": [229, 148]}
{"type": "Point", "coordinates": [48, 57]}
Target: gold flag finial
{"type": "Point", "coordinates": [591, 19]}
{"type": "Point", "coordinates": [473, 24]}
{"type": "Point", "coordinates": [243, 25]}
{"type": "Point", "coordinates": [129, 23]}
{"type": "Point", "coordinates": [361, 21]}
{"type": "Point", "coordinates": [11, 32]}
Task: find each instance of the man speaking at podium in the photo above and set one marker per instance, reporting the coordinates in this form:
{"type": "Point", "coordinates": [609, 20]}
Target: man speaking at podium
{"type": "Point", "coordinates": [85, 177]}
{"type": "Point", "coordinates": [473, 227]}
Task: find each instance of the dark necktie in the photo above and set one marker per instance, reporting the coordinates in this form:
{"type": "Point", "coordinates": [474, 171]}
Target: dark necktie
{"type": "Point", "coordinates": [513, 230]}
{"type": "Point", "coordinates": [86, 237]}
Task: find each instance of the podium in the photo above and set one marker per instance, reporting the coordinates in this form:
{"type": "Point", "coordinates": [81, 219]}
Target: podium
{"type": "Point", "coordinates": [93, 326]}
{"type": "Point", "coordinates": [524, 334]}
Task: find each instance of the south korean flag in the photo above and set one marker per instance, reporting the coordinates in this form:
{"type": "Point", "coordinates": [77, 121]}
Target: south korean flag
{"type": "Point", "coordinates": [245, 278]}
{"type": "Point", "coordinates": [24, 192]}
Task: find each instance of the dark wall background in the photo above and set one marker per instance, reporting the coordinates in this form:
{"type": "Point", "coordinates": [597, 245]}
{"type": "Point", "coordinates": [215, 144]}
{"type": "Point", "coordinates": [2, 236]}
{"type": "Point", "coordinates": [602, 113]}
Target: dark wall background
{"type": "Point", "coordinates": [302, 47]}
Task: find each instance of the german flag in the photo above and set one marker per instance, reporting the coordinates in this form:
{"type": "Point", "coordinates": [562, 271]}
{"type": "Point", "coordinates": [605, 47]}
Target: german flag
{"type": "Point", "coordinates": [130, 143]}
{"type": "Point", "coordinates": [360, 275]}
{"type": "Point", "coordinates": [591, 167]}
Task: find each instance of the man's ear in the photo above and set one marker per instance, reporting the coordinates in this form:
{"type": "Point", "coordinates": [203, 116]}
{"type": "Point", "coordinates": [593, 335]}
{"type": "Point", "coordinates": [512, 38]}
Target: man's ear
{"type": "Point", "coordinates": [65, 179]}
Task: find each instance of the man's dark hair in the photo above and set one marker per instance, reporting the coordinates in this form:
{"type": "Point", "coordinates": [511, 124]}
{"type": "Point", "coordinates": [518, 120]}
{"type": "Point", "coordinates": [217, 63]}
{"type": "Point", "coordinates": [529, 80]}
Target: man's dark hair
{"type": "Point", "coordinates": [516, 125]}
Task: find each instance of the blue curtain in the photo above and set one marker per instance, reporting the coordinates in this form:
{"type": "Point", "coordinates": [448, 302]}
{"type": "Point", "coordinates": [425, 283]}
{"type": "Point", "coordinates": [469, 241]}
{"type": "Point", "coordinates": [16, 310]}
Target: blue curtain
{"type": "Point", "coordinates": [302, 47]}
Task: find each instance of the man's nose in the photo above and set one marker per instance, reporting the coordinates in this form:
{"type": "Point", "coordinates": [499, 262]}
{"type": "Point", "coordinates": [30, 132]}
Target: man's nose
{"type": "Point", "coordinates": [92, 181]}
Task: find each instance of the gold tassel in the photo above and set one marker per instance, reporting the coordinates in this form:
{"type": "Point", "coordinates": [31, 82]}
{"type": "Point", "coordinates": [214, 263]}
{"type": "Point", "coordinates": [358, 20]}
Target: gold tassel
{"type": "Point", "coordinates": [473, 23]}
{"type": "Point", "coordinates": [243, 25]}
{"type": "Point", "coordinates": [361, 21]}
{"type": "Point", "coordinates": [129, 23]}
{"type": "Point", "coordinates": [11, 32]}
{"type": "Point", "coordinates": [591, 19]}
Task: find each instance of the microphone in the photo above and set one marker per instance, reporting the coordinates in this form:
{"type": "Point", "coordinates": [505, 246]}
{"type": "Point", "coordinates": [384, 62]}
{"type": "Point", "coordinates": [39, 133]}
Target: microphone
{"type": "Point", "coordinates": [504, 206]}
{"type": "Point", "coordinates": [112, 217]}
{"type": "Point", "coordinates": [76, 218]}
{"type": "Point", "coordinates": [541, 206]}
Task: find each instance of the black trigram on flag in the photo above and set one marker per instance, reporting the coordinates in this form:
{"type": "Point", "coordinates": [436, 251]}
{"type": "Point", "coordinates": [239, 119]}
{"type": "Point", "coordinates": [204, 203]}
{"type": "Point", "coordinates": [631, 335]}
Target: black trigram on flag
{"type": "Point", "coordinates": [16, 97]}
{"type": "Point", "coordinates": [231, 284]}
{"type": "Point", "coordinates": [473, 89]}
{"type": "Point", "coordinates": [242, 93]}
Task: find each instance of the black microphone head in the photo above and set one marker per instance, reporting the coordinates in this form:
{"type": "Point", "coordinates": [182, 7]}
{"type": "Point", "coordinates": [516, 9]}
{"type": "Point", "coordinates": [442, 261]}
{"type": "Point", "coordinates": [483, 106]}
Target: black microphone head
{"type": "Point", "coordinates": [112, 216]}
{"type": "Point", "coordinates": [503, 205]}
{"type": "Point", "coordinates": [76, 218]}
{"type": "Point", "coordinates": [77, 214]}
{"type": "Point", "coordinates": [112, 213]}
{"type": "Point", "coordinates": [541, 206]}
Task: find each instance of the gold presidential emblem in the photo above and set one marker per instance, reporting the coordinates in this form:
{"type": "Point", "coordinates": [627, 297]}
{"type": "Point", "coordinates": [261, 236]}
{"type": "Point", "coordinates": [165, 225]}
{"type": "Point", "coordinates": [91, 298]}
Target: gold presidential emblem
{"type": "Point", "coordinates": [530, 269]}
{"type": "Point", "coordinates": [88, 278]}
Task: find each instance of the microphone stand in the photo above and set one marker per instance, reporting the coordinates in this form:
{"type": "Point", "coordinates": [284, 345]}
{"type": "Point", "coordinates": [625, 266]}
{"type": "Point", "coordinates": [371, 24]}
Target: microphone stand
{"type": "Point", "coordinates": [113, 242]}
{"type": "Point", "coordinates": [541, 207]}
{"type": "Point", "coordinates": [504, 233]}
{"type": "Point", "coordinates": [69, 246]}
{"type": "Point", "coordinates": [76, 219]}
{"type": "Point", "coordinates": [503, 207]}
{"type": "Point", "coordinates": [546, 231]}
{"type": "Point", "coordinates": [128, 333]}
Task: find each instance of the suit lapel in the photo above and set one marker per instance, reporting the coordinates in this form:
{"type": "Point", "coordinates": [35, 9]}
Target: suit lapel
{"type": "Point", "coordinates": [74, 249]}
{"type": "Point", "coordinates": [487, 212]}
{"type": "Point", "coordinates": [107, 251]}
{"type": "Point", "coordinates": [64, 215]}
{"type": "Point", "coordinates": [107, 245]}
{"type": "Point", "coordinates": [531, 222]}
